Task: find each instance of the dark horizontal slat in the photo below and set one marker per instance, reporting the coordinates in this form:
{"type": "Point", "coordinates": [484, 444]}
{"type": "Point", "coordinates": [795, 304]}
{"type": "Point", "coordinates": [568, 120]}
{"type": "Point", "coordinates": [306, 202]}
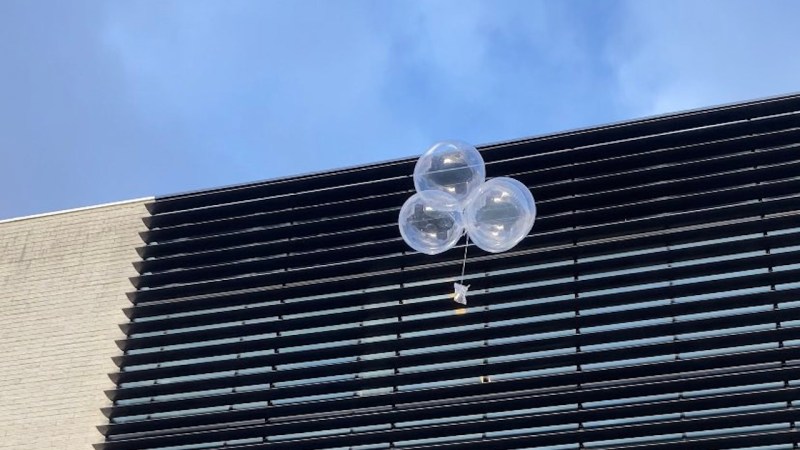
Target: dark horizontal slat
{"type": "Point", "coordinates": [634, 242]}
{"type": "Point", "coordinates": [684, 405]}
{"type": "Point", "coordinates": [543, 344]}
{"type": "Point", "coordinates": [689, 181]}
{"type": "Point", "coordinates": [340, 237]}
{"type": "Point", "coordinates": [347, 219]}
{"type": "Point", "coordinates": [284, 277]}
{"type": "Point", "coordinates": [543, 256]}
{"type": "Point", "coordinates": [408, 343]}
{"type": "Point", "coordinates": [718, 373]}
{"type": "Point", "coordinates": [610, 300]}
{"type": "Point", "coordinates": [299, 194]}
{"type": "Point", "coordinates": [298, 198]}
{"type": "Point", "coordinates": [643, 430]}
{"type": "Point", "coordinates": [573, 139]}
{"type": "Point", "coordinates": [538, 178]}
{"type": "Point", "coordinates": [730, 441]}
{"type": "Point", "coordinates": [513, 397]}
{"type": "Point", "coordinates": [377, 255]}
{"type": "Point", "coordinates": [545, 362]}
{"type": "Point", "coordinates": [769, 126]}
{"type": "Point", "coordinates": [276, 212]}
{"type": "Point", "coordinates": [635, 430]}
{"type": "Point", "coordinates": [284, 185]}
{"type": "Point", "coordinates": [636, 378]}
{"type": "Point", "coordinates": [614, 230]}
{"type": "Point", "coordinates": [561, 177]}
{"type": "Point", "coordinates": [345, 334]}
{"type": "Point", "coordinates": [508, 279]}
{"type": "Point", "coordinates": [337, 232]}
{"type": "Point", "coordinates": [290, 236]}
{"type": "Point", "coordinates": [396, 276]}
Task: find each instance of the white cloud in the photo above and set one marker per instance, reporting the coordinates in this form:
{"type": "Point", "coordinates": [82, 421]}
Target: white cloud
{"type": "Point", "coordinates": [678, 55]}
{"type": "Point", "coordinates": [264, 89]}
{"type": "Point", "coordinates": [185, 95]}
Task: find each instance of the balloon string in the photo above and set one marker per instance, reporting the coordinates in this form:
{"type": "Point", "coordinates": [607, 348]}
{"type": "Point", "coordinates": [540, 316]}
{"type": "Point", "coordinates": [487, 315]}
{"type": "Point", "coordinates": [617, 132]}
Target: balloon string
{"type": "Point", "coordinates": [464, 263]}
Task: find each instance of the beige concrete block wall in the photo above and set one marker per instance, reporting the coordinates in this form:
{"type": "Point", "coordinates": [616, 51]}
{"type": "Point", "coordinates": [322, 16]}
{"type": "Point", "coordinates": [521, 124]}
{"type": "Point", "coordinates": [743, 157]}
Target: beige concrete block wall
{"type": "Point", "coordinates": [63, 279]}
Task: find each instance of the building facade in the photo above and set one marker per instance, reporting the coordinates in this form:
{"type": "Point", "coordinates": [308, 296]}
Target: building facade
{"type": "Point", "coordinates": [63, 279]}
{"type": "Point", "coordinates": [655, 306]}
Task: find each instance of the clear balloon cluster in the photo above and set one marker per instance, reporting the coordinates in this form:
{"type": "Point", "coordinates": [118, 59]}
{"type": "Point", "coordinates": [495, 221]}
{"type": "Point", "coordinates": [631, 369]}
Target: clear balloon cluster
{"type": "Point", "coordinates": [453, 196]}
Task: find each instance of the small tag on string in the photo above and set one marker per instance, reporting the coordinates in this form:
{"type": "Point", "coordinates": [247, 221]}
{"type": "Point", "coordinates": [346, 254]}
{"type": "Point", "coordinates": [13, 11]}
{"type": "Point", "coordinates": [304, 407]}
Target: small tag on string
{"type": "Point", "coordinates": [460, 295]}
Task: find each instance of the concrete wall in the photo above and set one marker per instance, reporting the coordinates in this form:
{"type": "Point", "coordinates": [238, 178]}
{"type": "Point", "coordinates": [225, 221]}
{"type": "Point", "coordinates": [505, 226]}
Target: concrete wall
{"type": "Point", "coordinates": [63, 279]}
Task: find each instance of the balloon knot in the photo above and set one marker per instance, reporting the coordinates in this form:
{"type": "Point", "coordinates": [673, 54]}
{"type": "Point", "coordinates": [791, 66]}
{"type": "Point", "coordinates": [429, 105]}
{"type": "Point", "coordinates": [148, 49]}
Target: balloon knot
{"type": "Point", "coordinates": [460, 295]}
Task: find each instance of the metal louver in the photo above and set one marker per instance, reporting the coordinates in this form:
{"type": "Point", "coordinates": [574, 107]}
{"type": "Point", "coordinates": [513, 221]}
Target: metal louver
{"type": "Point", "coordinates": [655, 306]}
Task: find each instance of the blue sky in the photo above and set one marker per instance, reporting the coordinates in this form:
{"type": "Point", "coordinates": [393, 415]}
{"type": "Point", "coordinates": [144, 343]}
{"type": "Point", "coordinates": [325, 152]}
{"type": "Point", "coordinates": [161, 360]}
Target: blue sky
{"type": "Point", "coordinates": [108, 100]}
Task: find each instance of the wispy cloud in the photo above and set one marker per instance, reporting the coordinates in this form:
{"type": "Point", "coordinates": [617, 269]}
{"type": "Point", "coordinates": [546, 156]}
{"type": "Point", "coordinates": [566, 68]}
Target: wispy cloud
{"type": "Point", "coordinates": [677, 55]}
{"type": "Point", "coordinates": [101, 101]}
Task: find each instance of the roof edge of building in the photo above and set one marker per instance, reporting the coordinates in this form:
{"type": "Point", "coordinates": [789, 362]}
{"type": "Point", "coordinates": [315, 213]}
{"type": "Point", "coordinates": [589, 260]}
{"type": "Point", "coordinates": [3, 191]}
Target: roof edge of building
{"type": "Point", "coordinates": [79, 209]}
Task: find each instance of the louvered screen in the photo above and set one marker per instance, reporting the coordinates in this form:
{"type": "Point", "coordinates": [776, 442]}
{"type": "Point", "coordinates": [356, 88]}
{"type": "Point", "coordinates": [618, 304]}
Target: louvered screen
{"type": "Point", "coordinates": [656, 304]}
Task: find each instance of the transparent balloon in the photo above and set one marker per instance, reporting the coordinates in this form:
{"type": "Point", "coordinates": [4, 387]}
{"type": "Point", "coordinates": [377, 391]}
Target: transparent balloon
{"type": "Point", "coordinates": [453, 167]}
{"type": "Point", "coordinates": [431, 222]}
{"type": "Point", "coordinates": [500, 214]}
